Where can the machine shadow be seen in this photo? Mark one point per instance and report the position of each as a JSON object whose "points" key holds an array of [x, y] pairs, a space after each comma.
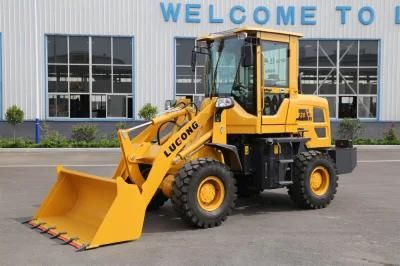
{"points": [[167, 220], [266, 202]]}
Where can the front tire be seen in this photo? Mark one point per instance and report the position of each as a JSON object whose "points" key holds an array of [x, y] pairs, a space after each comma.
{"points": [[159, 198], [204, 193], [315, 181]]}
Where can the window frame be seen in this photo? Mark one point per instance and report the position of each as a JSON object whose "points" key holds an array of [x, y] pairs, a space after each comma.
{"points": [[287, 44], [175, 66], [358, 67], [131, 94], [2, 118]]}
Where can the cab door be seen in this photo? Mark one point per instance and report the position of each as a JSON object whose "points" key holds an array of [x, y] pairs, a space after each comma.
{"points": [[274, 82]]}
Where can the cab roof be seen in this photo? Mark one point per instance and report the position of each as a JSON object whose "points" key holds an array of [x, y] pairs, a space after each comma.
{"points": [[217, 35]]}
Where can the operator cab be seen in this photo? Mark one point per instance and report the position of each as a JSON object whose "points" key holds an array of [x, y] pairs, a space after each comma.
{"points": [[231, 66], [258, 68]]}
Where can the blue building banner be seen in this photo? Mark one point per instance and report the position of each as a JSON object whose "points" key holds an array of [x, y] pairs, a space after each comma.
{"points": [[264, 15]]}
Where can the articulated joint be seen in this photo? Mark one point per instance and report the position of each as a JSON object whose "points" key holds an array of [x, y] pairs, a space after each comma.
{"points": [[166, 185]]}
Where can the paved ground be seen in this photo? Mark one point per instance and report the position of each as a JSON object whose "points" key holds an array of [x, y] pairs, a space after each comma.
{"points": [[360, 227]]}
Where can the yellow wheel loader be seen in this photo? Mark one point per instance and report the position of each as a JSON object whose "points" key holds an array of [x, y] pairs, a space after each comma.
{"points": [[253, 131]]}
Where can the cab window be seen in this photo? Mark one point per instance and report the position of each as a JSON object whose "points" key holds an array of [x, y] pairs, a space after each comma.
{"points": [[272, 102], [318, 115], [276, 64]]}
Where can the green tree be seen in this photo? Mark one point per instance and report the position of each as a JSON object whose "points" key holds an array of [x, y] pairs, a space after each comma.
{"points": [[389, 135], [14, 116], [350, 129], [84, 133], [148, 111]]}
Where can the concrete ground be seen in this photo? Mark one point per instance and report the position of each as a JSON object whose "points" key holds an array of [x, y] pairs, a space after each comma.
{"points": [[360, 227]]}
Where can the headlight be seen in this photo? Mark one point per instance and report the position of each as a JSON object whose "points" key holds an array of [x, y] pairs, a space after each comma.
{"points": [[224, 103]]}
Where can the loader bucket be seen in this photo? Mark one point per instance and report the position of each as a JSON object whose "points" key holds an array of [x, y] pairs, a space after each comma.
{"points": [[87, 211]]}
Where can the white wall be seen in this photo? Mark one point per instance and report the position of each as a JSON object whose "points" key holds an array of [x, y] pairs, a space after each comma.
{"points": [[24, 44]]}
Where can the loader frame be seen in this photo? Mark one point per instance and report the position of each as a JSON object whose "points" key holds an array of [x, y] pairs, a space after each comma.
{"points": [[258, 150]]}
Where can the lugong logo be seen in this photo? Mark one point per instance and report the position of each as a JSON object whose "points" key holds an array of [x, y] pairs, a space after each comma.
{"points": [[180, 139]]}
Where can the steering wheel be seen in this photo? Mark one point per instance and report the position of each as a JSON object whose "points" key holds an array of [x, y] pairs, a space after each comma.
{"points": [[240, 90]]}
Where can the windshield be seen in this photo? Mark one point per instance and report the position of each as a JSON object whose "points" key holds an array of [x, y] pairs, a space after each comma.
{"points": [[223, 59], [226, 74]]}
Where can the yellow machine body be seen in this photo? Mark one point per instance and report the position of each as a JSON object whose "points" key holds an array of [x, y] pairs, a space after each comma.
{"points": [[287, 120], [88, 211]]}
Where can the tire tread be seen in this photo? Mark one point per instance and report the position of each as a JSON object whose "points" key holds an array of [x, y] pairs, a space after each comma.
{"points": [[180, 198], [298, 192]]}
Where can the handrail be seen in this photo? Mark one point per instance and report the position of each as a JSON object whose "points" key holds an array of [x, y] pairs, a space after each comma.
{"points": [[176, 109], [171, 110], [138, 126]]}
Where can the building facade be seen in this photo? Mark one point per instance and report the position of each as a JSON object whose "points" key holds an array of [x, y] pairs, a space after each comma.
{"points": [[101, 61]]}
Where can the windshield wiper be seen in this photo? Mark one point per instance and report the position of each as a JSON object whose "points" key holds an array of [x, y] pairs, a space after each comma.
{"points": [[220, 49], [237, 72]]}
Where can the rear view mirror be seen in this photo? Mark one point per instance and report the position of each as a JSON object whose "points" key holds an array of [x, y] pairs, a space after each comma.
{"points": [[247, 55], [169, 104], [300, 83], [193, 60]]}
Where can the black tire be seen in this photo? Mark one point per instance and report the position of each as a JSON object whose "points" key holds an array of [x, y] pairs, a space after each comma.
{"points": [[159, 198], [300, 192], [185, 187], [157, 201]]}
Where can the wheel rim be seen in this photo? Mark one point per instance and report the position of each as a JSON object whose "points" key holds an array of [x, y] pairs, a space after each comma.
{"points": [[319, 181], [210, 193]]}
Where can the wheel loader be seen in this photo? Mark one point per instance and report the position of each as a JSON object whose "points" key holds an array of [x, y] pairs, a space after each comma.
{"points": [[253, 131]]}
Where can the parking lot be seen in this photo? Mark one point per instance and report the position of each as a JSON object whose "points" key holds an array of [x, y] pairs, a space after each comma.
{"points": [[361, 226]]}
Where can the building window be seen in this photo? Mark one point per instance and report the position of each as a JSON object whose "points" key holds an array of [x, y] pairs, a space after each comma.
{"points": [[89, 77], [187, 83], [345, 72]]}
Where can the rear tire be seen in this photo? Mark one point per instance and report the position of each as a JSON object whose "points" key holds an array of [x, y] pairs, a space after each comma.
{"points": [[315, 181], [191, 194]]}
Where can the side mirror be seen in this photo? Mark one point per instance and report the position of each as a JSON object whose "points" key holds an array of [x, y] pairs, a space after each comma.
{"points": [[193, 60], [300, 85], [247, 55], [169, 104]]}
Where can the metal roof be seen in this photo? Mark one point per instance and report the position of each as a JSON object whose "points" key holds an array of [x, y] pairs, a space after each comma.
{"points": [[247, 29]]}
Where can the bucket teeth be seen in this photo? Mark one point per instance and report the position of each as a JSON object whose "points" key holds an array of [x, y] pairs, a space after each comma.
{"points": [[58, 234], [37, 225], [70, 240], [27, 221], [82, 248], [48, 229]]}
